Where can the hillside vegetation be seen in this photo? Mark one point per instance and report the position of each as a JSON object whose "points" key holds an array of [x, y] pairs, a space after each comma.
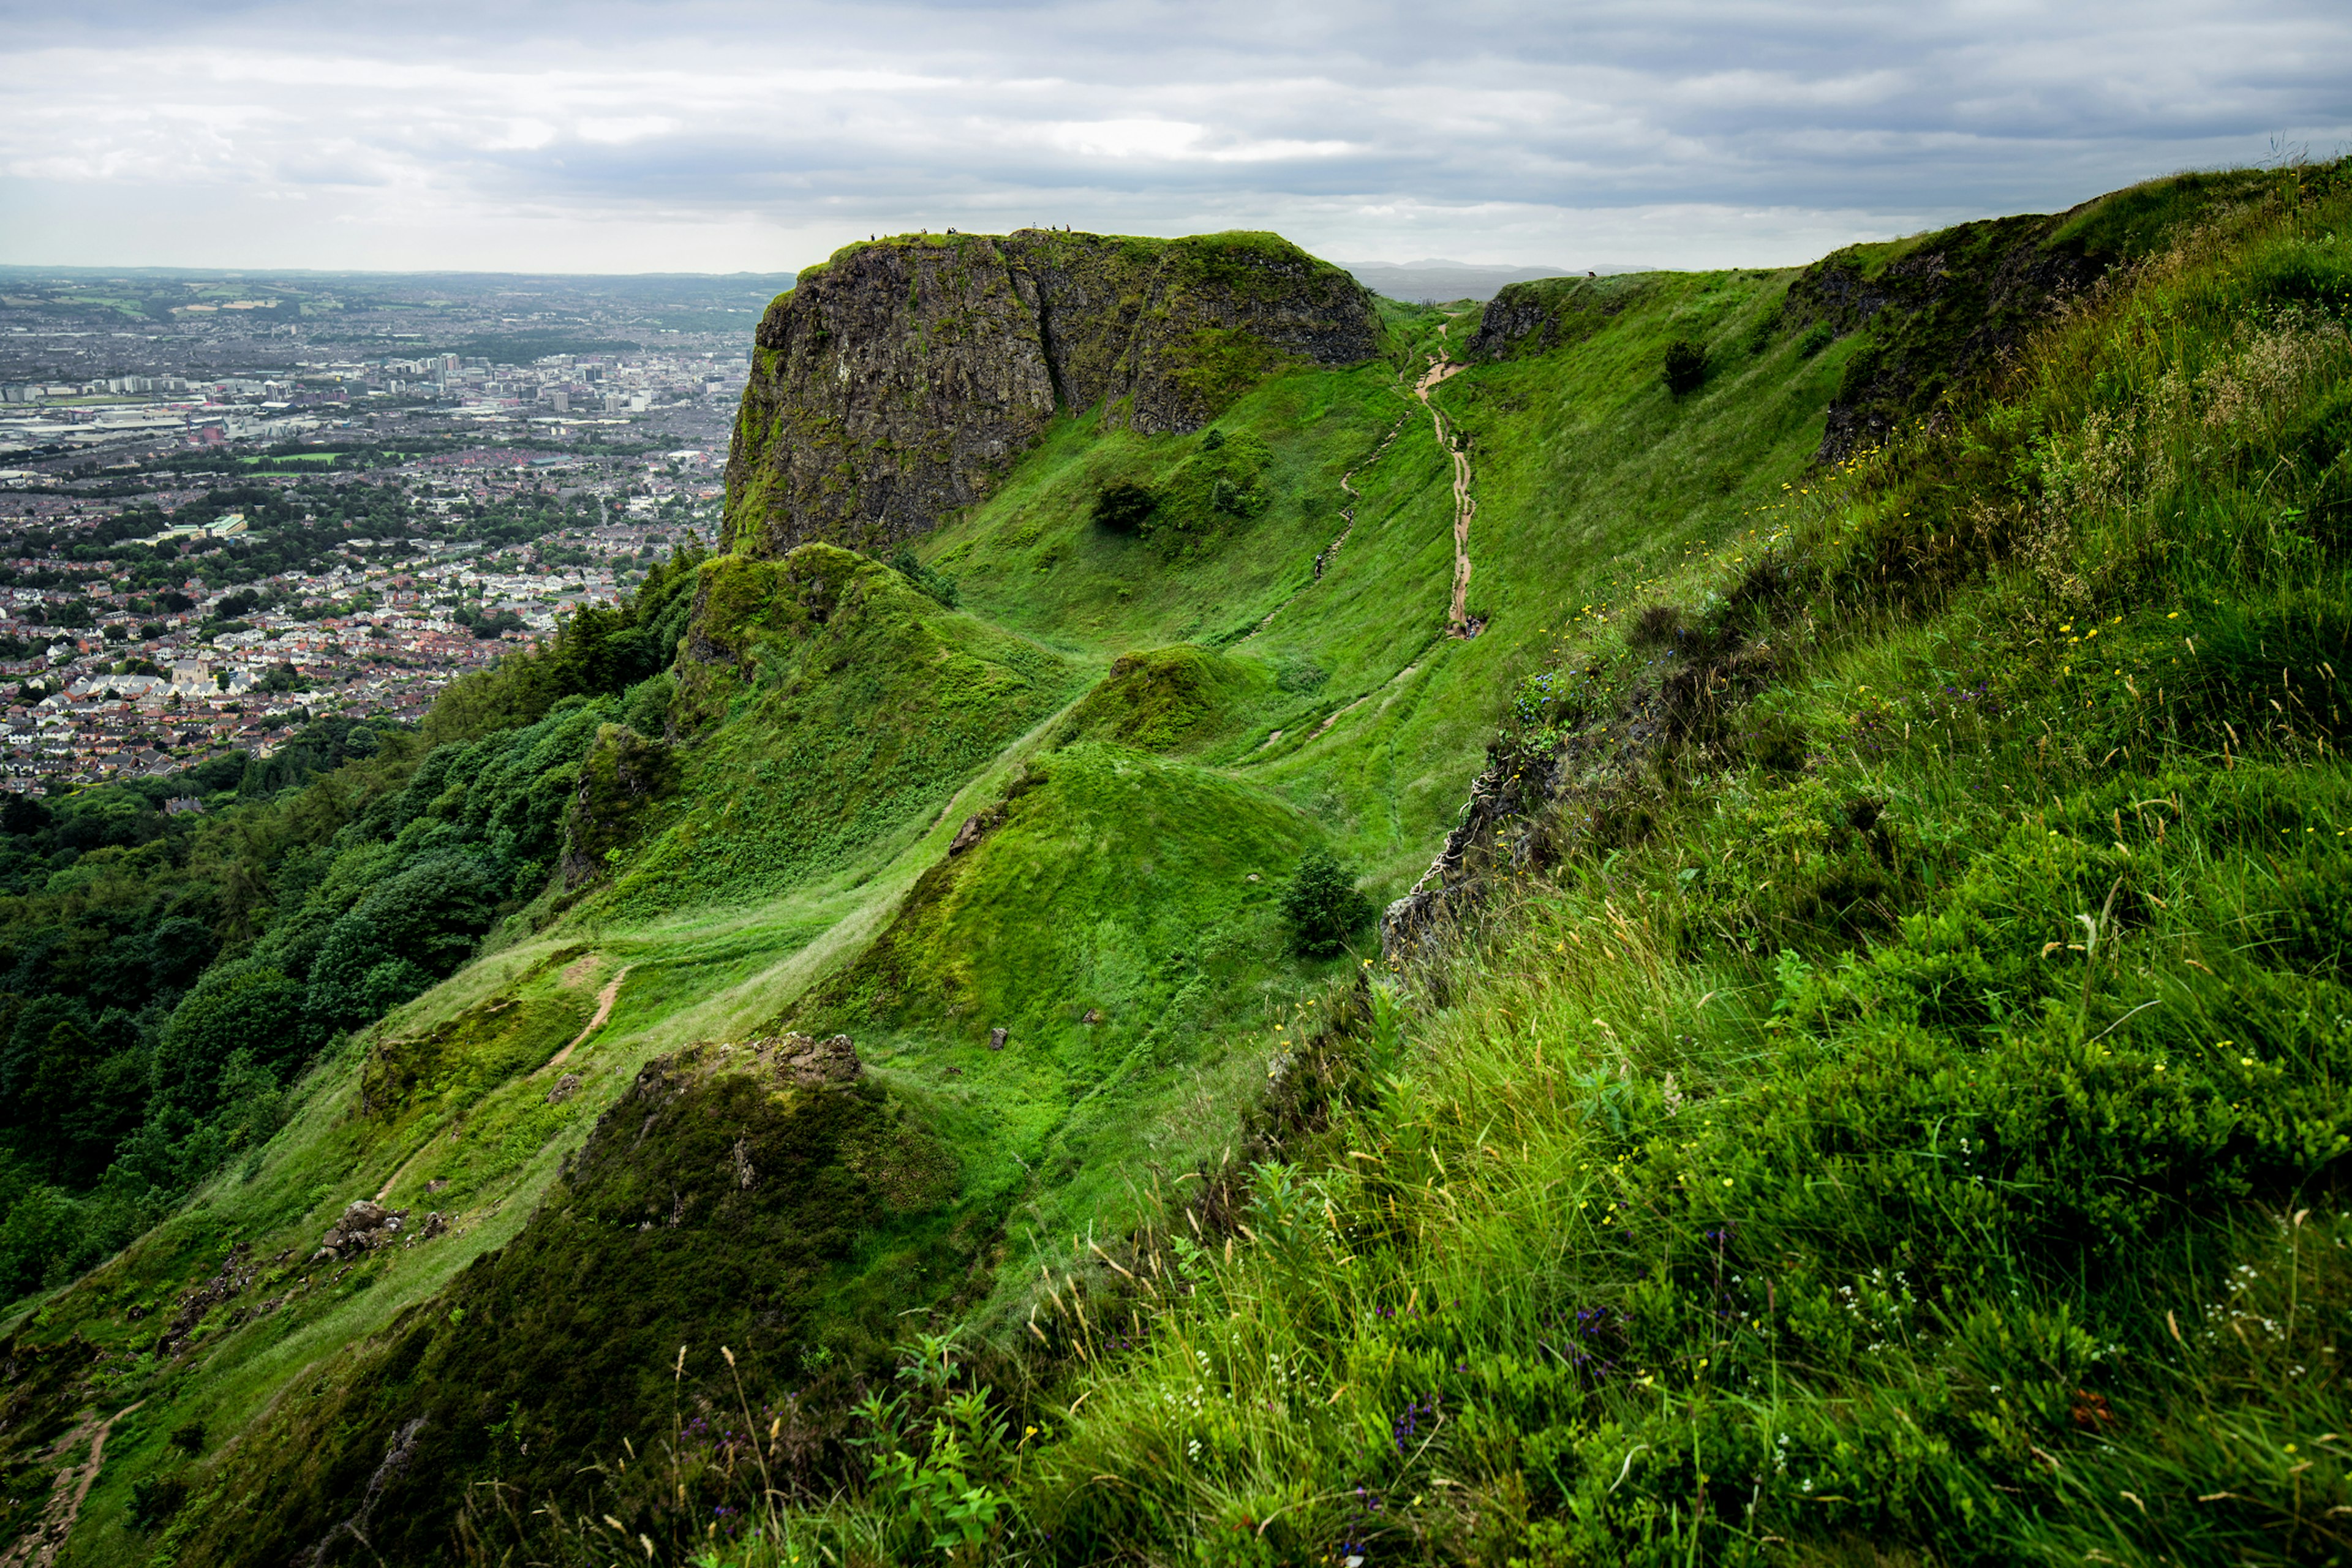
{"points": [[1853, 1067]]}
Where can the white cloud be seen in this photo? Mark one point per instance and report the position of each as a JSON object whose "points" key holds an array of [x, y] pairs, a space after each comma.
{"points": [[720, 134], [1123, 137]]}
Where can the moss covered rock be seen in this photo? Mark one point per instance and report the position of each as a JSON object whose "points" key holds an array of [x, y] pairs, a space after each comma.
{"points": [[901, 379], [623, 773], [731, 1196], [1165, 699]]}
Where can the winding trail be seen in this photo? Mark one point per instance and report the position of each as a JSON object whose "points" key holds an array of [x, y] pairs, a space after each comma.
{"points": [[1458, 620], [1330, 551], [1459, 623], [38, 1547], [604, 1000]]}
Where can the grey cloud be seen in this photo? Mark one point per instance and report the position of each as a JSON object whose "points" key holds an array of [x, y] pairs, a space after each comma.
{"points": [[1578, 131]]}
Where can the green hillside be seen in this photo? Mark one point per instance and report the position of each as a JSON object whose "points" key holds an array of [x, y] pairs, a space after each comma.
{"points": [[1853, 1069]]}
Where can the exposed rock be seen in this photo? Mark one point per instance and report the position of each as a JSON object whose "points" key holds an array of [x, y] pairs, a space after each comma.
{"points": [[975, 827], [396, 1458], [365, 1226], [435, 1223], [1092, 1015], [236, 1271], [565, 1088], [897, 381], [813, 1062], [1549, 313], [1950, 309], [996, 1040]]}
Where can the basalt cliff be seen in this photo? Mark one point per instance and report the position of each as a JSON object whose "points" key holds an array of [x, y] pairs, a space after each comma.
{"points": [[898, 381]]}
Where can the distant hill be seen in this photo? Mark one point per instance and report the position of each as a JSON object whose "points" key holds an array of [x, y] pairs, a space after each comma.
{"points": [[1435, 279]]}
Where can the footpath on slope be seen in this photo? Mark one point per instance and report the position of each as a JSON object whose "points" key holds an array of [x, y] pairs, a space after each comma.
{"points": [[1330, 551], [604, 1000], [1459, 623], [38, 1547]]}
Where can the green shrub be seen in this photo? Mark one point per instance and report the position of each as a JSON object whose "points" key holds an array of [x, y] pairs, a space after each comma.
{"points": [[236, 1006], [154, 1499], [931, 581], [1122, 508], [1322, 906], [1686, 366], [405, 934]]}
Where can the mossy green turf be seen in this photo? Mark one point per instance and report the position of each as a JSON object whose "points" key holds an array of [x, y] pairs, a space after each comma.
{"points": [[844, 706], [804, 1219], [839, 726], [1591, 479], [1909, 1126], [1121, 915]]}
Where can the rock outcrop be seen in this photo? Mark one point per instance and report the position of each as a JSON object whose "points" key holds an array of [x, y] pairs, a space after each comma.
{"points": [[365, 1226], [1950, 310], [897, 381], [814, 1063], [623, 773], [1534, 318]]}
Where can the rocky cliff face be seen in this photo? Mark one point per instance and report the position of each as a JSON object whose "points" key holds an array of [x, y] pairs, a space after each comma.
{"points": [[1950, 309], [895, 381], [1534, 318]]}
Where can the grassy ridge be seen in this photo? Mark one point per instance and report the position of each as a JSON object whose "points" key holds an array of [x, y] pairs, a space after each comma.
{"points": [[1795, 777], [841, 704], [1912, 1115]]}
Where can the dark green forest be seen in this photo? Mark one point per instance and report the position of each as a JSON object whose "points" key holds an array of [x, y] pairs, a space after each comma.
{"points": [[165, 978]]}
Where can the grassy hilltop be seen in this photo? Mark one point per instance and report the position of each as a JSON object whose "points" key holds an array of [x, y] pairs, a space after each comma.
{"points": [[1864, 1080]]}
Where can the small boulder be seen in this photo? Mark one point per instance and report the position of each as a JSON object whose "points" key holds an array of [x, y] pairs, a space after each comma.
{"points": [[996, 1040], [435, 1223], [1092, 1015], [365, 1225], [565, 1088], [803, 1060]]}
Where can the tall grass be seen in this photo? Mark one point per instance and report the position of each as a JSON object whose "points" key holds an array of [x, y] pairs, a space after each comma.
{"points": [[1916, 1137]]}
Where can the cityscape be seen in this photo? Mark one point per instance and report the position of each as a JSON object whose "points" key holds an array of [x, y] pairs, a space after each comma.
{"points": [[232, 506]]}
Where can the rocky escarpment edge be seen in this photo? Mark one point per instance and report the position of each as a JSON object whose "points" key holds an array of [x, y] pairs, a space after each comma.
{"points": [[896, 384]]}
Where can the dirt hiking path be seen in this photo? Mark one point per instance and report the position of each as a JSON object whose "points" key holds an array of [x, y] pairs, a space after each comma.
{"points": [[1458, 621], [1347, 525], [38, 1547], [604, 1000]]}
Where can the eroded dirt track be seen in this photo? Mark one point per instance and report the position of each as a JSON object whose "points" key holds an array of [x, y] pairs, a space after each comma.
{"points": [[38, 1547], [1458, 621]]}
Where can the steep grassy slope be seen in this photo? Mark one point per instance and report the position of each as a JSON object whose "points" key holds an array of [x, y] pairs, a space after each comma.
{"points": [[838, 707], [1878, 1089], [1591, 478], [727, 1200], [849, 806]]}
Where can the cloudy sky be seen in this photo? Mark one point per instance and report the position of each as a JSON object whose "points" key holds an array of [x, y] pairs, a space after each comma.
{"points": [[721, 135]]}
